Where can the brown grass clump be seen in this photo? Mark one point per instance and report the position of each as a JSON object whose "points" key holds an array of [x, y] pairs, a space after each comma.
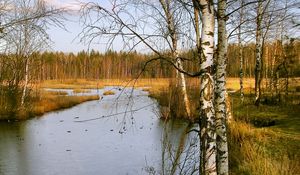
{"points": [[77, 91], [50, 103], [57, 92], [109, 92], [47, 101]]}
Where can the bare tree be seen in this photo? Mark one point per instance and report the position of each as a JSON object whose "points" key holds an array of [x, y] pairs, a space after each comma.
{"points": [[173, 33]]}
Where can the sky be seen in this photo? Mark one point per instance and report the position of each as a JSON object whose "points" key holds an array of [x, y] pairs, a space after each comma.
{"points": [[68, 40]]}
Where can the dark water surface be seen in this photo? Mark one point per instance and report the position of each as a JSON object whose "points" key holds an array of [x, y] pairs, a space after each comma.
{"points": [[55, 144]]}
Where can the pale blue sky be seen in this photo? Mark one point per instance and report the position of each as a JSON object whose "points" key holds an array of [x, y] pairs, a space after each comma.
{"points": [[68, 41]]}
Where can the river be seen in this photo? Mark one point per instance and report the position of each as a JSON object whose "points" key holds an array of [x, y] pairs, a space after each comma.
{"points": [[116, 135]]}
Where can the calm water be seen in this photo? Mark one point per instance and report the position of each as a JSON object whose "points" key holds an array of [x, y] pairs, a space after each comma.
{"points": [[57, 144]]}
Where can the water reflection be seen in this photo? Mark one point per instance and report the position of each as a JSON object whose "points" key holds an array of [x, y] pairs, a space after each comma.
{"points": [[180, 149], [135, 142]]}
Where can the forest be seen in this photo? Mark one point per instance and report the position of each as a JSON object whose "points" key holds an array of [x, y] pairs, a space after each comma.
{"points": [[226, 72]]}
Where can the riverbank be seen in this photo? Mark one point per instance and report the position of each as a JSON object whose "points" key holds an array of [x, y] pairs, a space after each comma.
{"points": [[262, 140]]}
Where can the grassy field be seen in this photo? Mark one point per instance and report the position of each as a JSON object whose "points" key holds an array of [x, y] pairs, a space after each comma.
{"points": [[264, 139]]}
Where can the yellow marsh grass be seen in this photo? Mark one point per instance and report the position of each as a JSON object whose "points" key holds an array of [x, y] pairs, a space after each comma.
{"points": [[157, 83], [152, 84], [109, 92], [92, 84], [70, 84], [57, 92]]}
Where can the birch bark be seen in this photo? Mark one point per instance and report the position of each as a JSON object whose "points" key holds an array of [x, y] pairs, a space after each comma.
{"points": [[207, 112], [258, 50], [220, 92]]}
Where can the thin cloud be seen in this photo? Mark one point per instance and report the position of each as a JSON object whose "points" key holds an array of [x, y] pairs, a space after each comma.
{"points": [[72, 5]]}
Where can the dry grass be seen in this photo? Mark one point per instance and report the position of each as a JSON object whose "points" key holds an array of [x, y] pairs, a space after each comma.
{"points": [[261, 151], [109, 92], [50, 103], [71, 84]]}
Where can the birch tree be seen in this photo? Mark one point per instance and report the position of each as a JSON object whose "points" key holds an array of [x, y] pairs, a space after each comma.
{"points": [[207, 112], [173, 33]]}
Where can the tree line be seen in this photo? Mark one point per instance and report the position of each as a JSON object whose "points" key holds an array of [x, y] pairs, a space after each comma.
{"points": [[112, 64]]}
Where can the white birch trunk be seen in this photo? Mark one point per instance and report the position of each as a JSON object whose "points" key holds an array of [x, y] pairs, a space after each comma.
{"points": [[26, 57], [241, 58], [220, 92], [25, 81], [207, 111], [183, 90], [258, 50]]}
